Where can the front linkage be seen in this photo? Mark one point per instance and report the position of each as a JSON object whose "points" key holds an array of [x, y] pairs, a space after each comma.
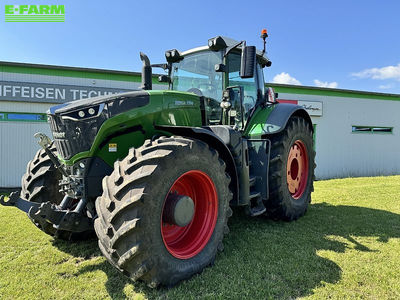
{"points": [[59, 216]]}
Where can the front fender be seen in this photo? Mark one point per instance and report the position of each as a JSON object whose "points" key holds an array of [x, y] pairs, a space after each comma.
{"points": [[214, 142]]}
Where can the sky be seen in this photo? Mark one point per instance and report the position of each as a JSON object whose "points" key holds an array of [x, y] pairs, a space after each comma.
{"points": [[337, 44]]}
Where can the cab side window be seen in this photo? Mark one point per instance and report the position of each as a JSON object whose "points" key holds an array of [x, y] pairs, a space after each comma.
{"points": [[249, 84]]}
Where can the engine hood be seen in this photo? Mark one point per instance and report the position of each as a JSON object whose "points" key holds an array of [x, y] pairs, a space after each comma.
{"points": [[132, 97], [75, 124]]}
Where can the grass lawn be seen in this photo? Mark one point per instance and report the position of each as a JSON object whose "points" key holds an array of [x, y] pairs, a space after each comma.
{"points": [[346, 246]]}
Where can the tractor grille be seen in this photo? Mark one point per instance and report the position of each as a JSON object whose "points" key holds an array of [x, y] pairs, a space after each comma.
{"points": [[74, 132], [72, 137]]}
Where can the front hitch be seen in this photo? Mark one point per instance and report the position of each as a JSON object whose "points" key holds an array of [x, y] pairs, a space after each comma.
{"points": [[47, 212], [15, 200]]}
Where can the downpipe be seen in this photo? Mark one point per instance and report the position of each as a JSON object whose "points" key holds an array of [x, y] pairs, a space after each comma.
{"points": [[147, 83]]}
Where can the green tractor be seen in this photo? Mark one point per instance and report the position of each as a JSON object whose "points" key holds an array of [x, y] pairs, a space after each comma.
{"points": [[155, 172]]}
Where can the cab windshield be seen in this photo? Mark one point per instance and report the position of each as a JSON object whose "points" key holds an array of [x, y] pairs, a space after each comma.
{"points": [[196, 74]]}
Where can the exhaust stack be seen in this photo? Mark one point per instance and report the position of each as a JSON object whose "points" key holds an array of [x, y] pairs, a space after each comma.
{"points": [[146, 72]]}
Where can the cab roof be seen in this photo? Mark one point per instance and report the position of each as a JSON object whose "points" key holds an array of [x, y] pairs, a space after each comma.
{"points": [[228, 42]]}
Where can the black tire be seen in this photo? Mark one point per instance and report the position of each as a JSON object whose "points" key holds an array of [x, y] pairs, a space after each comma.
{"points": [[130, 209], [40, 181], [282, 203], [40, 184]]}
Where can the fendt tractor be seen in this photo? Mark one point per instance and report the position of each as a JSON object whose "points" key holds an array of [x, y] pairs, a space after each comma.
{"points": [[155, 172]]}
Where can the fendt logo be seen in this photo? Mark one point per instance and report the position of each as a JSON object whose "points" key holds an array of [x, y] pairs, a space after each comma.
{"points": [[34, 13]]}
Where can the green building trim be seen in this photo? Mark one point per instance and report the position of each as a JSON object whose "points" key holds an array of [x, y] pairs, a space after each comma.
{"points": [[76, 72]]}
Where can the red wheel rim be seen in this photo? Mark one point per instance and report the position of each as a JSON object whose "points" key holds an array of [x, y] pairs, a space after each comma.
{"points": [[297, 169], [186, 242]]}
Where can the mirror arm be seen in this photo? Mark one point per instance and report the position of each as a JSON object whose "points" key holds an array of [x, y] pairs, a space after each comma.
{"points": [[229, 49], [162, 66]]}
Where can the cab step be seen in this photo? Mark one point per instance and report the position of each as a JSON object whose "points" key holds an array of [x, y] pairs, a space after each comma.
{"points": [[258, 210], [252, 181], [254, 195]]}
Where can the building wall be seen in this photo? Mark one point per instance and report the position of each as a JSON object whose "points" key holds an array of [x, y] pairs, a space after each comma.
{"points": [[35, 78], [18, 145], [342, 153]]}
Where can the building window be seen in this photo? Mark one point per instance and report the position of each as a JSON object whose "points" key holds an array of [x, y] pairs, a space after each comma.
{"points": [[371, 129], [22, 117]]}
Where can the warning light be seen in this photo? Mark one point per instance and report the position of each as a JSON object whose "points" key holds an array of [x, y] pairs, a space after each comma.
{"points": [[264, 33]]}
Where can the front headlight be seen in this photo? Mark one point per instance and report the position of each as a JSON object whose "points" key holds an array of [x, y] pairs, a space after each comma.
{"points": [[84, 113]]}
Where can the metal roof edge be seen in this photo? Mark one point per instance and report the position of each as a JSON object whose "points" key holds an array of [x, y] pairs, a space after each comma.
{"points": [[57, 67]]}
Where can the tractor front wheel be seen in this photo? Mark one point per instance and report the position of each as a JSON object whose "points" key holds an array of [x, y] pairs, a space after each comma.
{"points": [[40, 184], [164, 210]]}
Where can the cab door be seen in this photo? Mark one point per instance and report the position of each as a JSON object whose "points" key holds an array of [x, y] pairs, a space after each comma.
{"points": [[252, 88]]}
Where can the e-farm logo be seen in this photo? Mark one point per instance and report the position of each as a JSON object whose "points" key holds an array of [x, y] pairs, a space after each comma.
{"points": [[34, 13]]}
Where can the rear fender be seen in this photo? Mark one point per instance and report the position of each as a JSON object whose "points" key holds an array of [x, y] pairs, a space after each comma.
{"points": [[277, 120], [273, 119]]}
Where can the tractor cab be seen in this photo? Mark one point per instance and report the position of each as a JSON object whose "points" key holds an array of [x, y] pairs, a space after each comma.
{"points": [[227, 73]]}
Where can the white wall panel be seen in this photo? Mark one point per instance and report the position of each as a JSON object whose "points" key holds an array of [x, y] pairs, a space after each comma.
{"points": [[341, 153], [17, 144]]}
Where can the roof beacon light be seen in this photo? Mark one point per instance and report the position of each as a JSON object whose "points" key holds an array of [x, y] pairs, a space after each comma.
{"points": [[264, 35]]}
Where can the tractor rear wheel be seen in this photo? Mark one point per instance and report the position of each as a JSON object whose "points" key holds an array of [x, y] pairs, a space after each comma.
{"points": [[40, 184], [164, 210], [291, 171]]}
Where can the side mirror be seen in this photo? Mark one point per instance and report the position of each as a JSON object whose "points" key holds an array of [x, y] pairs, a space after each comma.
{"points": [[248, 62]]}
